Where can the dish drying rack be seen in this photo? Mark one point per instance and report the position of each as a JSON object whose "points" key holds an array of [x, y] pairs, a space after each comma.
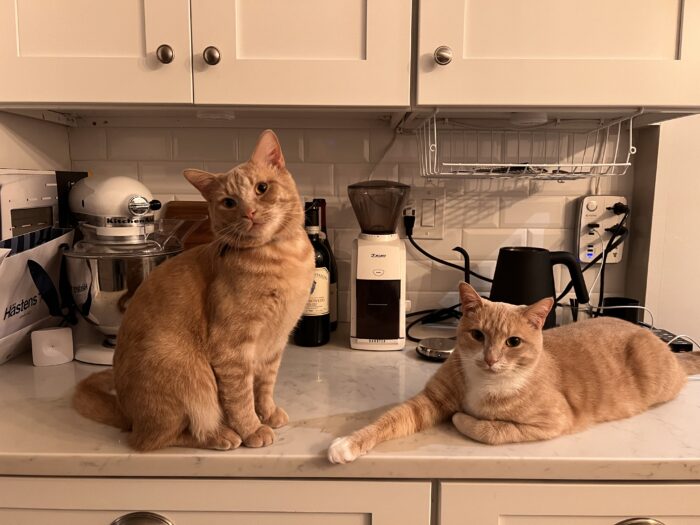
{"points": [[449, 148]]}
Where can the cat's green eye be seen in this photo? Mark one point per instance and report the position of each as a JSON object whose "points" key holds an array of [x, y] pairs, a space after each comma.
{"points": [[477, 334], [228, 202], [261, 188], [513, 342]]}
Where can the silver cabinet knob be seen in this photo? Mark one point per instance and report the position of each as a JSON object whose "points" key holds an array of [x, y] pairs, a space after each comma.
{"points": [[165, 54], [142, 518], [211, 55], [443, 55], [640, 521]]}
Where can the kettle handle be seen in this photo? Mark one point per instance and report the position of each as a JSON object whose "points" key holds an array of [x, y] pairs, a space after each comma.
{"points": [[568, 260]]}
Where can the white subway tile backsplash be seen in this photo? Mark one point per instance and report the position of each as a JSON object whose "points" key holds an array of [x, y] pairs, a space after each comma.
{"points": [[553, 240], [346, 174], [536, 212], [347, 145], [291, 140], [220, 166], [214, 144], [87, 143], [139, 144], [480, 215], [404, 148], [313, 180], [438, 247], [554, 187], [339, 213], [166, 177], [107, 168], [484, 244], [342, 243], [418, 275], [443, 278], [471, 211]]}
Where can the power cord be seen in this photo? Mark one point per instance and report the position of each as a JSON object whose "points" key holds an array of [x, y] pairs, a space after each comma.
{"points": [[439, 314], [409, 221], [618, 208], [619, 236]]}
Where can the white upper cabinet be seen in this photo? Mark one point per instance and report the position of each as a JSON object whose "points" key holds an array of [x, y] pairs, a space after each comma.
{"points": [[89, 51], [310, 52], [559, 53]]}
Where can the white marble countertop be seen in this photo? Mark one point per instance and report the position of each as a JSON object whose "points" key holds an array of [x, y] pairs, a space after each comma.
{"points": [[331, 391]]}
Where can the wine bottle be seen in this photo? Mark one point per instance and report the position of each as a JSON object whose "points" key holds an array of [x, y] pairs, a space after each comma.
{"points": [[334, 266], [314, 327]]}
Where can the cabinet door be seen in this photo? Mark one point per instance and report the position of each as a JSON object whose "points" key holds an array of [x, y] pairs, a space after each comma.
{"points": [[311, 53], [87, 51], [560, 53], [71, 501], [568, 503]]}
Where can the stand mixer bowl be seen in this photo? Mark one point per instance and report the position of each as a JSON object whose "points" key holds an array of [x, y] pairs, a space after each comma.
{"points": [[378, 204], [103, 276]]}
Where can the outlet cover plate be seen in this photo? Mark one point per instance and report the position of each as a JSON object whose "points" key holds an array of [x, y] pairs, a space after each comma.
{"points": [[593, 209], [429, 205]]}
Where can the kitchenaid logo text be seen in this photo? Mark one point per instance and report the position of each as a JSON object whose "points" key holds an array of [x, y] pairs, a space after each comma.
{"points": [[20, 306], [377, 254], [126, 220]]}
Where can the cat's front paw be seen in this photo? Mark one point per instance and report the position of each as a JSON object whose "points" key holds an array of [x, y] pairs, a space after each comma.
{"points": [[343, 450], [262, 437], [278, 418]]}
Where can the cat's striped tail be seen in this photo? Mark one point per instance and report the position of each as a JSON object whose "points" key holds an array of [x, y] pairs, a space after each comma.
{"points": [[690, 361], [93, 400]]}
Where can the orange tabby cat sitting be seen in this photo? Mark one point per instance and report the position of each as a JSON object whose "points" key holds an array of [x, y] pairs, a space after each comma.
{"points": [[508, 381], [200, 342]]}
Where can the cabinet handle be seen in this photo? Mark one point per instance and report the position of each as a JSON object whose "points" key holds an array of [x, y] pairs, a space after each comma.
{"points": [[211, 55], [443, 55], [165, 54], [640, 521], [142, 518]]}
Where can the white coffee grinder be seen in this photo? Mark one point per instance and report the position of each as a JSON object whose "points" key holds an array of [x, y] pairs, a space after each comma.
{"points": [[378, 275]]}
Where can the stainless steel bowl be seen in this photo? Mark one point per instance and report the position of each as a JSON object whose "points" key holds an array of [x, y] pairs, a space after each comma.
{"points": [[103, 284], [104, 275]]}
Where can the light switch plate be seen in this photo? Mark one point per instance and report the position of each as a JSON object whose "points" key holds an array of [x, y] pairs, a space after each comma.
{"points": [[429, 205], [594, 209]]}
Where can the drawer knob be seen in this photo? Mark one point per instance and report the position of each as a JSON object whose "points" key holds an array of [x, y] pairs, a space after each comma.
{"points": [[211, 55], [165, 54], [640, 521], [142, 518], [443, 55]]}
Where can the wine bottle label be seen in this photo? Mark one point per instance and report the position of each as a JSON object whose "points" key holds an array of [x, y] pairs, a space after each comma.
{"points": [[334, 302], [318, 303]]}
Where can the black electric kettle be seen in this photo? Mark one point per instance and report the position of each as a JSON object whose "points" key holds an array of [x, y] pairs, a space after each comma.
{"points": [[524, 276]]}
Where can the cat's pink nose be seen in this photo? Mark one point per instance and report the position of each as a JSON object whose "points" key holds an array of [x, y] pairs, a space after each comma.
{"points": [[490, 360], [250, 214]]}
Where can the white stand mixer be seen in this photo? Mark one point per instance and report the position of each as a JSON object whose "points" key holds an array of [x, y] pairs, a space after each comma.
{"points": [[122, 242]]}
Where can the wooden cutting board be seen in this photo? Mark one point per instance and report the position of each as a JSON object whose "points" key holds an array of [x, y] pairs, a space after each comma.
{"points": [[191, 210]]}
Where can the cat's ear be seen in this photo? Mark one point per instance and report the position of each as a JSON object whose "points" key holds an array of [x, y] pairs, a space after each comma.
{"points": [[204, 181], [268, 151], [469, 298], [536, 314]]}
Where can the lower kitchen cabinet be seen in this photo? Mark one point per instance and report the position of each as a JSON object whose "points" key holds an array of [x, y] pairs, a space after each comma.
{"points": [[569, 503], [90, 501]]}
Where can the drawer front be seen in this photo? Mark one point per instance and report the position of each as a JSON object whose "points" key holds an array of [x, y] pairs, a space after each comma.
{"points": [[568, 503], [98, 501]]}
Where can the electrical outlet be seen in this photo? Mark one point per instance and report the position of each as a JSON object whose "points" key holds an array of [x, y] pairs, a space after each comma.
{"points": [[594, 210], [429, 205]]}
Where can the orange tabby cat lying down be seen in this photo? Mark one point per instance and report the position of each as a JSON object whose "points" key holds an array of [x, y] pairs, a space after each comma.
{"points": [[508, 381], [201, 340]]}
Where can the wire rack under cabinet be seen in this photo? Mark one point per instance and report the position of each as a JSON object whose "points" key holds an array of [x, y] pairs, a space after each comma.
{"points": [[449, 148]]}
